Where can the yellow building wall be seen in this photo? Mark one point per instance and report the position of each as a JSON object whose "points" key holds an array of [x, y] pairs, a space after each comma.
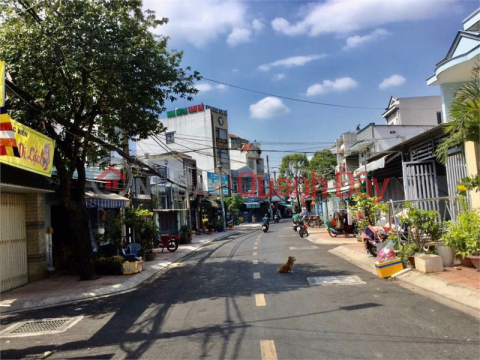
{"points": [[472, 156]]}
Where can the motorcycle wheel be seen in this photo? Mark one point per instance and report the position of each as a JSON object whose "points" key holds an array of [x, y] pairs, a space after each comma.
{"points": [[172, 245], [332, 234], [372, 250], [301, 233]]}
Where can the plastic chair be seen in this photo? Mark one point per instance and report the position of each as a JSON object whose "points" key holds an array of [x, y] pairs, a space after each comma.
{"points": [[133, 248]]}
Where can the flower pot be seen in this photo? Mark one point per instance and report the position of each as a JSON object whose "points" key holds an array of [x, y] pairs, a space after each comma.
{"points": [[466, 261], [412, 261], [475, 260], [150, 256], [447, 254]]}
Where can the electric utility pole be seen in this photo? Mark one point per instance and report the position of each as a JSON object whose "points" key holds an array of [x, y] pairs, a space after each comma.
{"points": [[187, 194], [220, 189], [269, 197]]}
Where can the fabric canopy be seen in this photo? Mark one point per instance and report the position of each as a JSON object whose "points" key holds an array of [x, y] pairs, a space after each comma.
{"points": [[107, 201], [374, 165], [208, 202], [253, 205], [286, 205]]}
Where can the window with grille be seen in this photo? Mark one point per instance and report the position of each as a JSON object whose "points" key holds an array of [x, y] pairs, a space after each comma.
{"points": [[169, 137], [222, 156]]}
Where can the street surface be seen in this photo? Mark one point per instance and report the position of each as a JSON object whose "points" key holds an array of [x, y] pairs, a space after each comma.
{"points": [[220, 303]]}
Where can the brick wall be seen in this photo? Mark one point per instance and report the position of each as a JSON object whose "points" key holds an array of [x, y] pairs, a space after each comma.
{"points": [[35, 224]]}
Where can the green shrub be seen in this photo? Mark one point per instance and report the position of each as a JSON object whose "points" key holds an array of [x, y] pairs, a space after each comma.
{"points": [[464, 234], [109, 266], [240, 219]]}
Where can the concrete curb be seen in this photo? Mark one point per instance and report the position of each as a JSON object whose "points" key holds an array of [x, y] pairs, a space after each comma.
{"points": [[457, 293], [140, 279]]}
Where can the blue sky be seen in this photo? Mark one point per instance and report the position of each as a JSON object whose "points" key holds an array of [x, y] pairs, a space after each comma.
{"points": [[349, 52]]}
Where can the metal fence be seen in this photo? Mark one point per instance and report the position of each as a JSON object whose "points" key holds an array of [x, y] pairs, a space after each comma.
{"points": [[447, 209]]}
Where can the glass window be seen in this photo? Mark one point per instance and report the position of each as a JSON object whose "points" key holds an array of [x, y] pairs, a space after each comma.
{"points": [[221, 133], [439, 117], [169, 137], [222, 156], [251, 163]]}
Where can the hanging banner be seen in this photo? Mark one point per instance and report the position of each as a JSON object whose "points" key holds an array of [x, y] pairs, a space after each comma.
{"points": [[213, 181], [35, 150]]}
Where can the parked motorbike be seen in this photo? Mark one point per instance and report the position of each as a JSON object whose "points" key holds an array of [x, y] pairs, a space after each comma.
{"points": [[265, 227], [303, 230], [334, 232], [371, 239], [276, 218]]}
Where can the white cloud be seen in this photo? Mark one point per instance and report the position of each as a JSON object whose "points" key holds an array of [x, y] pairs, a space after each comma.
{"points": [[207, 87], [278, 77], [238, 36], [257, 25], [338, 85], [198, 23], [346, 16], [203, 87], [268, 108], [394, 80], [356, 41], [291, 61]]}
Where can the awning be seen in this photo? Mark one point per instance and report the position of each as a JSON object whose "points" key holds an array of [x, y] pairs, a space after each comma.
{"points": [[253, 205], [374, 165], [286, 205], [208, 202], [106, 201]]}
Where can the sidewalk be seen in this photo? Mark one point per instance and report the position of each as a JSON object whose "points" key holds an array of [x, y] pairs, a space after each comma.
{"points": [[57, 290], [320, 236], [460, 286]]}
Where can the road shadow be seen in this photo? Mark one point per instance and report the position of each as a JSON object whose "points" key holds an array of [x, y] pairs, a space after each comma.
{"points": [[134, 321]]}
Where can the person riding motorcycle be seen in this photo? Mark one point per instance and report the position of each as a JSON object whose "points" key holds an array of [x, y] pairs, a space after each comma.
{"points": [[266, 220]]}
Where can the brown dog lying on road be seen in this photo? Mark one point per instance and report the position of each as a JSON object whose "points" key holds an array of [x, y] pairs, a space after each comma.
{"points": [[288, 266]]}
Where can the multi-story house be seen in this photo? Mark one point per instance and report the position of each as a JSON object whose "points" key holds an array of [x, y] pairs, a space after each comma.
{"points": [[458, 67], [420, 110], [201, 131]]}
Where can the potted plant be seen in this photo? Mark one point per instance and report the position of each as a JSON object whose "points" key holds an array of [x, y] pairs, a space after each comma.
{"points": [[219, 226], [185, 234], [210, 227], [464, 233], [146, 230]]}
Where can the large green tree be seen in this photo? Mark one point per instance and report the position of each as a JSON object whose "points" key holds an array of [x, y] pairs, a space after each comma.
{"points": [[80, 71], [293, 167], [323, 163]]}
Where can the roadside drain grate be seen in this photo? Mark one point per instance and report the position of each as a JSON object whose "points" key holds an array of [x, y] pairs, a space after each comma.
{"points": [[40, 327], [335, 280]]}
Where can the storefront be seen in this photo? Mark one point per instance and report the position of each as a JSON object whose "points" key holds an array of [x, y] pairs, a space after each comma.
{"points": [[26, 158]]}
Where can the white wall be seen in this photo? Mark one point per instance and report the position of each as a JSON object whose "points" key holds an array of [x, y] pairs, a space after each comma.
{"points": [[419, 110], [385, 140], [448, 92], [197, 127]]}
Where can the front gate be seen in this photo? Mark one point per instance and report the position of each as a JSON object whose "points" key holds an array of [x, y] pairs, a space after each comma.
{"points": [[13, 242], [420, 182]]}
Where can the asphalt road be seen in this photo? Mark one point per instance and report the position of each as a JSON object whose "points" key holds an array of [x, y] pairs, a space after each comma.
{"points": [[206, 307]]}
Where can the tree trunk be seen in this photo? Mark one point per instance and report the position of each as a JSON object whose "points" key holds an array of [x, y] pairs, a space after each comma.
{"points": [[83, 255]]}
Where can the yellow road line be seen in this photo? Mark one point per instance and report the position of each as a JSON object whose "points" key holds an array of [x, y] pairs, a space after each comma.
{"points": [[268, 350], [256, 275], [255, 248], [254, 253], [255, 262], [260, 300]]}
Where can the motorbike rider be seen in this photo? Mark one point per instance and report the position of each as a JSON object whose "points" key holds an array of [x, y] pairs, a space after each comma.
{"points": [[295, 217], [266, 220]]}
